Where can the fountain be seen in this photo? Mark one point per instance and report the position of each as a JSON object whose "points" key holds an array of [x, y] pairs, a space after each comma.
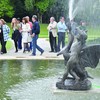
{"points": [[77, 59], [33, 79], [71, 3], [77, 55], [77, 7]]}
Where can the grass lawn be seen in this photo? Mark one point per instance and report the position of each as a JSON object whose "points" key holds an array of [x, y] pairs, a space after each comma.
{"points": [[8, 45], [93, 33], [44, 31]]}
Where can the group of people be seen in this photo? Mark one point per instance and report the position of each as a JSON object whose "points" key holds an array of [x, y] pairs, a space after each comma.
{"points": [[25, 34], [57, 31]]}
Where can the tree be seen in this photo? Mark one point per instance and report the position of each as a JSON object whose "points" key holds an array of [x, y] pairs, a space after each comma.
{"points": [[59, 8], [19, 8], [39, 6], [6, 9]]}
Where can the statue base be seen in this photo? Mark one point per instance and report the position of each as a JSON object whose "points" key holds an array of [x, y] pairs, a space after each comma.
{"points": [[71, 84]]}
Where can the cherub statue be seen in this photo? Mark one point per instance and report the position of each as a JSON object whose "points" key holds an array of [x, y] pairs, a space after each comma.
{"points": [[78, 57]]}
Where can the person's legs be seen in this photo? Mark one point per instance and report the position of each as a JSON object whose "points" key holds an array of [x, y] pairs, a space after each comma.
{"points": [[51, 41], [5, 51], [15, 42], [27, 47], [2, 43], [59, 40], [63, 40], [24, 44], [20, 42], [34, 45], [30, 45], [3, 48], [38, 47], [55, 44]]}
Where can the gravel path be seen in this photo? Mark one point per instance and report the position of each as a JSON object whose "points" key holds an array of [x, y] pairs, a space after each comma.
{"points": [[42, 42]]}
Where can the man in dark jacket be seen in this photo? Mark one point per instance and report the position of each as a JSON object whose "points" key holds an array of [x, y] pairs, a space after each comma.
{"points": [[35, 33]]}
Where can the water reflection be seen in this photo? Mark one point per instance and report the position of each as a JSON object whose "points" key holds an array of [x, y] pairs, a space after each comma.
{"points": [[25, 72], [34, 80], [4, 79], [14, 72]]}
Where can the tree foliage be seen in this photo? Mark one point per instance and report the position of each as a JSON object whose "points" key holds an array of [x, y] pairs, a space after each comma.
{"points": [[19, 8], [6, 9], [40, 5], [43, 5], [59, 8], [84, 9]]}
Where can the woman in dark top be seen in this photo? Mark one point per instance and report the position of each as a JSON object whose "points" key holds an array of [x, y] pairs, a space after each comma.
{"points": [[16, 34]]}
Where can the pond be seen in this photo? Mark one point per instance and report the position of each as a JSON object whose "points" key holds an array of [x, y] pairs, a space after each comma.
{"points": [[36, 79]]}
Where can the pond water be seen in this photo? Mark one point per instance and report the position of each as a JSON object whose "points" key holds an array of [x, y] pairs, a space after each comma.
{"points": [[35, 80]]}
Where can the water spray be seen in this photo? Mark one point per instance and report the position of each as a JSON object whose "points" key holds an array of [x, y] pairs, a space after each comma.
{"points": [[71, 4]]}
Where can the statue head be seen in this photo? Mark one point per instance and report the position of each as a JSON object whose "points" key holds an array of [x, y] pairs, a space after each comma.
{"points": [[81, 35]]}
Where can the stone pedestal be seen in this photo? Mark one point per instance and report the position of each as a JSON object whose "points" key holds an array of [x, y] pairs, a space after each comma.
{"points": [[71, 84]]}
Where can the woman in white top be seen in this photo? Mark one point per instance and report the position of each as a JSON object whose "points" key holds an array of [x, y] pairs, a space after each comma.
{"points": [[25, 34]]}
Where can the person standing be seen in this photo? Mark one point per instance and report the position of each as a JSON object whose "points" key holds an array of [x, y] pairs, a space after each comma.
{"points": [[16, 34], [25, 34], [35, 33], [31, 26], [83, 26], [52, 29], [20, 37], [30, 23], [61, 26], [4, 35]]}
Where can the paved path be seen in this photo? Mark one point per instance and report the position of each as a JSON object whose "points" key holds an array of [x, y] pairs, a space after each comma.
{"points": [[42, 42]]}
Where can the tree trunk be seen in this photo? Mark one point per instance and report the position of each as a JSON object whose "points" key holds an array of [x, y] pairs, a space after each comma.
{"points": [[40, 17]]}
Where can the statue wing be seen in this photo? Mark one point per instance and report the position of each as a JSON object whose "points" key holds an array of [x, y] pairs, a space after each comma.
{"points": [[89, 57]]}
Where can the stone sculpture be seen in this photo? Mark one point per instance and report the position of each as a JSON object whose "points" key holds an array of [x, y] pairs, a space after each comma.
{"points": [[76, 60]]}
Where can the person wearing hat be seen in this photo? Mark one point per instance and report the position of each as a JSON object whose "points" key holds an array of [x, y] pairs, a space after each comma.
{"points": [[35, 33]]}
